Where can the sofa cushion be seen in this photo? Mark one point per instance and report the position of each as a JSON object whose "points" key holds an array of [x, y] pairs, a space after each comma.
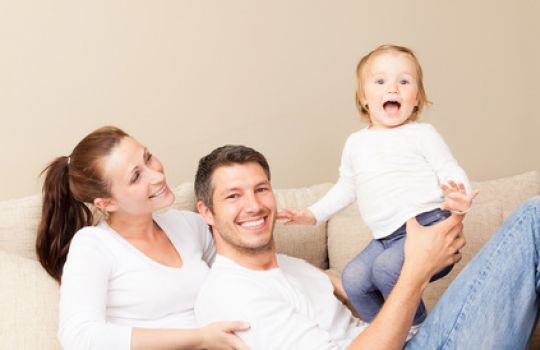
{"points": [[18, 223], [185, 197], [29, 305], [306, 242]]}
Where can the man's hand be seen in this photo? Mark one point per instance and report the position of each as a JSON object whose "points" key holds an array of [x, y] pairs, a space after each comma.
{"points": [[456, 198], [429, 249], [298, 217]]}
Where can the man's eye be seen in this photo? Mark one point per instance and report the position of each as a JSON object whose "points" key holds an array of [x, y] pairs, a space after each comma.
{"points": [[232, 196], [262, 189]]}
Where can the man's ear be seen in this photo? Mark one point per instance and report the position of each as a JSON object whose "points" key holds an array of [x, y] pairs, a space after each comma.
{"points": [[105, 204], [205, 212]]}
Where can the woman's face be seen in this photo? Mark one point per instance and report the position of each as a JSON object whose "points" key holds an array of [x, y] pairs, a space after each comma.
{"points": [[137, 181]]}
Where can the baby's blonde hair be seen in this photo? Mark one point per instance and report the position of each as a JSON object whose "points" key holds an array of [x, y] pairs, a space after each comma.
{"points": [[361, 66]]}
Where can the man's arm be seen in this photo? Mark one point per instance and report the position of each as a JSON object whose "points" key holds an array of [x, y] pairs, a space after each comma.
{"points": [[427, 250]]}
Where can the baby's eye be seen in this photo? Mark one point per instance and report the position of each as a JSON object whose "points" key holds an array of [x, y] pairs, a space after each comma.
{"points": [[379, 81], [148, 156], [404, 82]]}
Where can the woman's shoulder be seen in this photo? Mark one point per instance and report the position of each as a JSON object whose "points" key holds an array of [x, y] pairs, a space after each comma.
{"points": [[182, 222], [90, 233], [91, 242], [178, 216]]}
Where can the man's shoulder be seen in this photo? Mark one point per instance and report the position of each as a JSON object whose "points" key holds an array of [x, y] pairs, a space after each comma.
{"points": [[229, 291], [227, 277], [287, 263]]}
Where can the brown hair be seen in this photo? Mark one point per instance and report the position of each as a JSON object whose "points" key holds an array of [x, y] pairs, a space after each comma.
{"points": [[360, 72], [223, 156], [69, 183]]}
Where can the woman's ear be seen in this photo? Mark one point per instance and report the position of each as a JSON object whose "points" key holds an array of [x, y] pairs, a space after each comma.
{"points": [[105, 204]]}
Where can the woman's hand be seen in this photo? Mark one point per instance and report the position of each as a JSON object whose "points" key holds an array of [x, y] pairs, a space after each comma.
{"points": [[221, 336], [298, 217]]}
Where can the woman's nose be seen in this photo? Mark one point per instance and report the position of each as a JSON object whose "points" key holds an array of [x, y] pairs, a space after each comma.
{"points": [[156, 175]]}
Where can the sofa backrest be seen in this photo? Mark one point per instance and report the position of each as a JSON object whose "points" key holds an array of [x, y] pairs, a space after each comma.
{"points": [[329, 245], [30, 299]]}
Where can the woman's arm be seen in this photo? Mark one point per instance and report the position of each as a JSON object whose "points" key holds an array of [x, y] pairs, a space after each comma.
{"points": [[216, 336], [83, 300]]}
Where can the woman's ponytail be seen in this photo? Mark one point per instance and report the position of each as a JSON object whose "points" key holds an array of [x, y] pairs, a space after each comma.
{"points": [[61, 216], [69, 183]]}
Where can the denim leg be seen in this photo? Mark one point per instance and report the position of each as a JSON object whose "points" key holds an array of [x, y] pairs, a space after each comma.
{"points": [[357, 282], [493, 303], [386, 270]]}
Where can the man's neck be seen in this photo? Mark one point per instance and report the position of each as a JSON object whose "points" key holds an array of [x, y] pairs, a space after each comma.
{"points": [[252, 259]]}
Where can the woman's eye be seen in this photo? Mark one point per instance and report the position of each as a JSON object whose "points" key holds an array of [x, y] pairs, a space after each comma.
{"points": [[135, 177]]}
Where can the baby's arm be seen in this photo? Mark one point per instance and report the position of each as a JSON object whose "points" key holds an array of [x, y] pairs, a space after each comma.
{"points": [[338, 197], [298, 217], [456, 198]]}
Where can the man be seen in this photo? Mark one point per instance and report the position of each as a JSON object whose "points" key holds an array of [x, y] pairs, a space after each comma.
{"points": [[290, 304]]}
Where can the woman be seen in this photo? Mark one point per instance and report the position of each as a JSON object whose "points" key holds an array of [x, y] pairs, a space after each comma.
{"points": [[131, 281]]}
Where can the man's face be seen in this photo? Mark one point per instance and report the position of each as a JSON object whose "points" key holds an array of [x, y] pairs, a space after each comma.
{"points": [[244, 208]]}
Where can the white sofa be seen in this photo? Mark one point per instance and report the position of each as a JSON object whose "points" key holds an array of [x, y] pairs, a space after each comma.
{"points": [[29, 297]]}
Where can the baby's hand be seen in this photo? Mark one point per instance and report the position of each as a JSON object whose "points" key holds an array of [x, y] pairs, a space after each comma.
{"points": [[456, 199], [298, 217]]}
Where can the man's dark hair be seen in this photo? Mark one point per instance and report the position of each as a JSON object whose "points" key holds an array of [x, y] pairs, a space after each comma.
{"points": [[223, 156]]}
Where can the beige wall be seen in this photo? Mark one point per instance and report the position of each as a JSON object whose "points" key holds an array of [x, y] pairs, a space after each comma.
{"points": [[186, 76]]}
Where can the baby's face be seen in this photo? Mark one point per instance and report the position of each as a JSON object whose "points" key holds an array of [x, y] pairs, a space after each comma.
{"points": [[390, 89]]}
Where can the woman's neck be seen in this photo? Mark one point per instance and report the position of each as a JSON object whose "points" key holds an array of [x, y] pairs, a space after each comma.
{"points": [[133, 227]]}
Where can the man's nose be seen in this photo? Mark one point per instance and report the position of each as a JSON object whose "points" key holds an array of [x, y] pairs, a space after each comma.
{"points": [[252, 203]]}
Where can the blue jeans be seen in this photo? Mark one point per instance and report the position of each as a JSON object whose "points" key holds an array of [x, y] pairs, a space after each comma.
{"points": [[493, 303], [369, 277]]}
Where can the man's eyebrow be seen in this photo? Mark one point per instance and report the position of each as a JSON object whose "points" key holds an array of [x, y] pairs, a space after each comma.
{"points": [[239, 188]]}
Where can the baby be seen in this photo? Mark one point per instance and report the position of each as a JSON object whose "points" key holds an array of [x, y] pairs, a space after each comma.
{"points": [[396, 169]]}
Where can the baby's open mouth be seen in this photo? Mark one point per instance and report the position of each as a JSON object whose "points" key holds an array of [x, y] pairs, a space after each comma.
{"points": [[391, 107]]}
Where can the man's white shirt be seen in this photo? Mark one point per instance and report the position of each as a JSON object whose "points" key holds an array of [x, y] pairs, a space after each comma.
{"points": [[288, 307]]}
